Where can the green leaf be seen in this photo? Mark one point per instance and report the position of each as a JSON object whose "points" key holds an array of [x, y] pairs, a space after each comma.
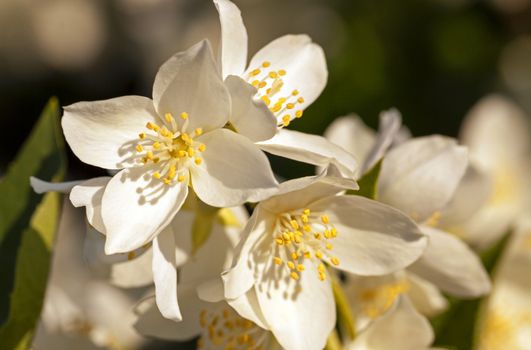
{"points": [[368, 183], [205, 216], [345, 318], [455, 327], [27, 228]]}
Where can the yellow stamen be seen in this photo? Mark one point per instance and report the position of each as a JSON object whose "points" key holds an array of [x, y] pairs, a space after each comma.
{"points": [[201, 147], [286, 120], [156, 175], [298, 114], [198, 131], [184, 115], [277, 260], [139, 148], [291, 265], [325, 219], [294, 224], [294, 275], [334, 261], [266, 64], [281, 72], [142, 135], [168, 117], [181, 178], [198, 161]]}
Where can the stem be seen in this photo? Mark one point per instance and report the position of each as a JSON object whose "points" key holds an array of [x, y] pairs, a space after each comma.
{"points": [[345, 318], [333, 342]]}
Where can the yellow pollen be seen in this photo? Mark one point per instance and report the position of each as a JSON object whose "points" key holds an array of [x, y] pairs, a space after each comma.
{"points": [[300, 99], [156, 175], [184, 115], [318, 254], [300, 267], [181, 178], [182, 153], [328, 246], [306, 211], [295, 92], [279, 240], [307, 255], [190, 152], [278, 260], [255, 72], [198, 160], [149, 155], [139, 148], [325, 219], [286, 236], [282, 72], [298, 114], [304, 218], [142, 135], [298, 239], [156, 145], [307, 228], [333, 231], [334, 261], [317, 235], [266, 100], [168, 117], [294, 275], [294, 256], [291, 265], [327, 234], [273, 75], [262, 84], [266, 64], [167, 181], [150, 125], [294, 224], [290, 106], [198, 131], [201, 147], [286, 120], [321, 268], [322, 276], [255, 83]]}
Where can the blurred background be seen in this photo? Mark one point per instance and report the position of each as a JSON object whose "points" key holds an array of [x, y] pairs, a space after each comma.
{"points": [[430, 59]]}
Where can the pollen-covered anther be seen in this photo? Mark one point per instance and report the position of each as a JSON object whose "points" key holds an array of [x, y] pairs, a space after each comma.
{"points": [[305, 236], [170, 146]]}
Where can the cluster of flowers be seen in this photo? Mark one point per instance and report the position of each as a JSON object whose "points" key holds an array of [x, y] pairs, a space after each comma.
{"points": [[186, 161]]}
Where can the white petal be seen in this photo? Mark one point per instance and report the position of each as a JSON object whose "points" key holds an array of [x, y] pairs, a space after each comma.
{"points": [[390, 122], [420, 176], [135, 208], [402, 328], [233, 46], [425, 296], [312, 149], [248, 307], [373, 238], [190, 82], [89, 194], [303, 61], [105, 133], [353, 135], [135, 273], [496, 130], [233, 171], [41, 186], [151, 323], [451, 265], [212, 258], [165, 275], [301, 314], [473, 191], [249, 115], [239, 278], [301, 192]]}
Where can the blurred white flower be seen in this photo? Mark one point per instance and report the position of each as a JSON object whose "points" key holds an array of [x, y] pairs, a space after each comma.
{"points": [[506, 317], [497, 134], [80, 311], [401, 328], [164, 146], [293, 236]]}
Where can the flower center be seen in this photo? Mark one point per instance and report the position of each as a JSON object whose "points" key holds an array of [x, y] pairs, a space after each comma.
{"points": [[225, 329], [303, 235], [377, 300], [269, 83], [170, 147]]}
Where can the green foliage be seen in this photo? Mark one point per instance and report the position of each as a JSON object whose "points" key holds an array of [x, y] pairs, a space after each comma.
{"points": [[28, 223], [205, 216], [368, 183], [455, 328]]}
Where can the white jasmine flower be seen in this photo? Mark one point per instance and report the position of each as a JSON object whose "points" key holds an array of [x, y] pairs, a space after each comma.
{"points": [[280, 81], [290, 240], [164, 146], [80, 310], [401, 328], [505, 321], [497, 133]]}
